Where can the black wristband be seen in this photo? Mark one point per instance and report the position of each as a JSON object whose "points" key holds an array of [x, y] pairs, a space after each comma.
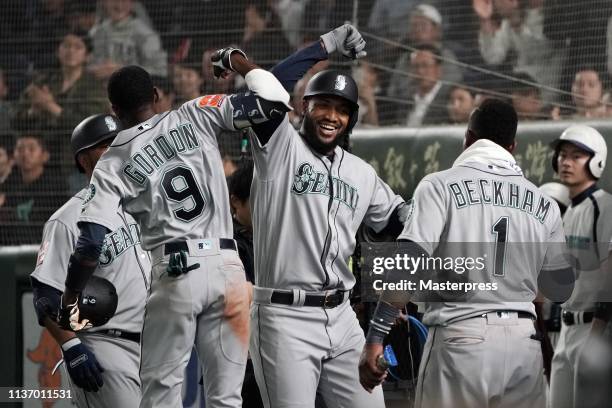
{"points": [[79, 272]]}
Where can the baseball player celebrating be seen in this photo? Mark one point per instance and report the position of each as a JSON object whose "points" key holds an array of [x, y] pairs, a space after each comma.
{"points": [[483, 352], [309, 197], [579, 160], [166, 170], [103, 361]]}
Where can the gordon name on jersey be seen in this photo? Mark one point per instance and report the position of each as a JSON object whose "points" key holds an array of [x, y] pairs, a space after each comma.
{"points": [[151, 157], [500, 193]]}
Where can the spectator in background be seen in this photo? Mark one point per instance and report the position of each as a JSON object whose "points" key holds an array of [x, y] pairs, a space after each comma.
{"points": [[580, 28], [320, 15], [425, 28], [32, 192], [6, 107], [514, 27], [366, 77], [296, 115], [239, 186], [81, 15], [165, 93], [6, 163], [48, 24], [123, 39], [588, 93], [61, 98], [461, 102], [264, 41], [187, 79], [429, 96], [388, 18], [526, 98], [6, 166]]}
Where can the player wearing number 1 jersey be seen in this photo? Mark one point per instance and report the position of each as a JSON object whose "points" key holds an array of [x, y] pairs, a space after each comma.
{"points": [[482, 351], [166, 171]]}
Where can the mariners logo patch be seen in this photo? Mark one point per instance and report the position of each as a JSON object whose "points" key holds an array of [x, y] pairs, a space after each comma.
{"points": [[213, 101], [110, 123], [340, 83], [91, 192]]}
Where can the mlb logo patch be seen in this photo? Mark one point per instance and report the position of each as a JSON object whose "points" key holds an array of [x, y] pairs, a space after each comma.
{"points": [[42, 252], [204, 245]]}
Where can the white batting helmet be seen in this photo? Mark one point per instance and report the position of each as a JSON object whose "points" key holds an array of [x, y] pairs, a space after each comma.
{"points": [[587, 139]]}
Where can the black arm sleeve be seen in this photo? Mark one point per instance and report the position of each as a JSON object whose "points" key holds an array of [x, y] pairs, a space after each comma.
{"points": [[46, 300], [84, 260]]}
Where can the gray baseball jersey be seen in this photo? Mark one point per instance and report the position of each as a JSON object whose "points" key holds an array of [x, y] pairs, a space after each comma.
{"points": [[122, 260], [480, 202], [310, 207], [589, 234], [306, 211], [576, 381], [167, 172], [128, 268], [484, 201]]}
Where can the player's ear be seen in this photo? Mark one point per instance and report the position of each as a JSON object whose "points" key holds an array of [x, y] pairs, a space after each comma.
{"points": [[155, 95], [512, 146], [118, 112], [233, 202], [469, 138]]}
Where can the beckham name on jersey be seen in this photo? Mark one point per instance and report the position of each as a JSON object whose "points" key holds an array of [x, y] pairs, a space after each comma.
{"points": [[499, 193], [152, 156]]}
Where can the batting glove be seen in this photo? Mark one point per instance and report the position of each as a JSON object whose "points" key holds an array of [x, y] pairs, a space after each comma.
{"points": [[221, 61], [68, 317], [81, 363], [177, 264], [346, 40]]}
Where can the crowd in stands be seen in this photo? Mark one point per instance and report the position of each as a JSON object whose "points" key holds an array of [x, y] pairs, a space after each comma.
{"points": [[430, 62]]}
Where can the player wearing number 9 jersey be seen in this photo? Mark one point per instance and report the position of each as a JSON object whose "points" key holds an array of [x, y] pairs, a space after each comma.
{"points": [[166, 171], [482, 351]]}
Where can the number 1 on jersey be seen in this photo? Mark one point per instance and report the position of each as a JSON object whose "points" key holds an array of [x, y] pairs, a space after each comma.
{"points": [[500, 229]]}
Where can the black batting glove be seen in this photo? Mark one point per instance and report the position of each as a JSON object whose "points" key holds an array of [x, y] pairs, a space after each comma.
{"points": [[221, 61], [82, 365]]}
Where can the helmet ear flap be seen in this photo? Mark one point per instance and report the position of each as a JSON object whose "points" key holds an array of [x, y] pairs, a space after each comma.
{"points": [[353, 119], [555, 158]]}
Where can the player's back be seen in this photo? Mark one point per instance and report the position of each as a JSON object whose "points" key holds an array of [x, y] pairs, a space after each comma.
{"points": [[495, 214], [169, 173]]}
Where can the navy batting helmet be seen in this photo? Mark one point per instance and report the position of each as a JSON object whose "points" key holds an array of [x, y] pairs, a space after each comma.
{"points": [[93, 131], [330, 82], [98, 301]]}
